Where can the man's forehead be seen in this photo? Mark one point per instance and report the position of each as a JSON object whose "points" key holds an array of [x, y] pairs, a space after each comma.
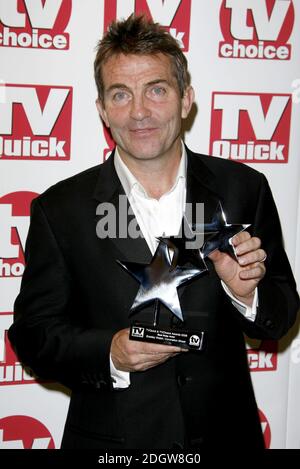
{"points": [[142, 66]]}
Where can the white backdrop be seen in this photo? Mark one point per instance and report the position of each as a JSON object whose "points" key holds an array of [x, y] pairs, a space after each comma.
{"points": [[247, 108]]}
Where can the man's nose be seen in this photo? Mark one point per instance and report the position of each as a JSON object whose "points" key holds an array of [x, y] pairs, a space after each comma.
{"points": [[139, 109]]}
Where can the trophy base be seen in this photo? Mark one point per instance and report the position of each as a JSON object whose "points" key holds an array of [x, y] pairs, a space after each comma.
{"points": [[192, 340]]}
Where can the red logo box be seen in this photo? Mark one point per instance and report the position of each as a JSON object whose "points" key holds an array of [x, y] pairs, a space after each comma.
{"points": [[14, 222], [175, 16], [256, 29], [11, 370], [262, 355], [23, 432], [266, 429], [36, 122], [38, 25], [251, 127]]}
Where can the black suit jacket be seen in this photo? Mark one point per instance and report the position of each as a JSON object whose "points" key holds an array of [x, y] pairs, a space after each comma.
{"points": [[75, 297]]}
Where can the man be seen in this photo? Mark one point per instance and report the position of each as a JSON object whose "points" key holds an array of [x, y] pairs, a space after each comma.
{"points": [[71, 316]]}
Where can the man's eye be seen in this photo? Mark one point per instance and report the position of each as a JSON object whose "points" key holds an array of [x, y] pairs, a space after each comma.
{"points": [[120, 96], [158, 91]]}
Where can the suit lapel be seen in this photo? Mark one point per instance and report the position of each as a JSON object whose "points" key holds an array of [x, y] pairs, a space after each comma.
{"points": [[201, 187], [108, 189]]}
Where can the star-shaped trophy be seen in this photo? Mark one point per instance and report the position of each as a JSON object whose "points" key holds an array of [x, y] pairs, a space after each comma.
{"points": [[218, 234], [188, 246], [166, 272], [159, 281]]}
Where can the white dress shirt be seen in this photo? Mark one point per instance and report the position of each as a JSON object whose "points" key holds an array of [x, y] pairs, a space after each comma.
{"points": [[157, 218]]}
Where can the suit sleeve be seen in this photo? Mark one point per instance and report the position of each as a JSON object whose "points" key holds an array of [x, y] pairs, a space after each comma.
{"points": [[278, 300], [43, 333]]}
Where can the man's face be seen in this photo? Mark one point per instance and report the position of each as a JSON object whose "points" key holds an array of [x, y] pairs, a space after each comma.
{"points": [[142, 105]]}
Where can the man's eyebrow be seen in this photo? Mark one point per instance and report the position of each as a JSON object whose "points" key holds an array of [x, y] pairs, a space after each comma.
{"points": [[122, 86], [157, 81], [118, 86]]}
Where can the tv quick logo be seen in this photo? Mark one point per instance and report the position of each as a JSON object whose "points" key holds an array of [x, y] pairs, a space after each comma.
{"points": [[256, 29], [23, 432], [11, 370], [262, 355], [266, 429], [250, 127], [38, 24], [35, 122], [174, 15], [14, 222]]}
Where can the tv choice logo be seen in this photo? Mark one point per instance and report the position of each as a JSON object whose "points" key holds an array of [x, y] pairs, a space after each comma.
{"points": [[11, 370], [38, 24], [23, 432], [35, 122], [14, 222], [262, 355], [251, 127], [266, 429], [256, 29], [174, 15]]}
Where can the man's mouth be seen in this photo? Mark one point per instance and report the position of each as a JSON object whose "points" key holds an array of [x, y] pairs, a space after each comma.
{"points": [[143, 132]]}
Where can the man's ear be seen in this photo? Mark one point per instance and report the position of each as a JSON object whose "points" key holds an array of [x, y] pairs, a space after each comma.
{"points": [[187, 101], [101, 111]]}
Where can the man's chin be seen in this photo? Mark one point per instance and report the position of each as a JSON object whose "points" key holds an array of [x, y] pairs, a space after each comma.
{"points": [[142, 153]]}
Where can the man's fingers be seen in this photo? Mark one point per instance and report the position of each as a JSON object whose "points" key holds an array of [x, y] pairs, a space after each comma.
{"points": [[153, 349], [142, 362], [145, 362], [216, 255], [252, 257], [130, 355], [240, 238], [247, 245], [133, 346], [254, 273]]}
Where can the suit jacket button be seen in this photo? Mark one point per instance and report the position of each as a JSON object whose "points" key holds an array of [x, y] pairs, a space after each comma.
{"points": [[196, 442], [269, 323], [182, 380], [177, 445]]}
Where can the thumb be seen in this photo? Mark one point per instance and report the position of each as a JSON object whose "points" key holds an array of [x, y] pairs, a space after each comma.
{"points": [[215, 255]]}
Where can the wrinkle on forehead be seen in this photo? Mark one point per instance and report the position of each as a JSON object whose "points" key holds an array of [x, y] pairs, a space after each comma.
{"points": [[136, 70]]}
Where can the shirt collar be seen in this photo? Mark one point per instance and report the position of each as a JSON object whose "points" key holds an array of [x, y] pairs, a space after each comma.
{"points": [[129, 181]]}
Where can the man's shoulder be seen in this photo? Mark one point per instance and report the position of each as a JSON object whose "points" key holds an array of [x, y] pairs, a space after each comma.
{"points": [[80, 185], [226, 173], [223, 167]]}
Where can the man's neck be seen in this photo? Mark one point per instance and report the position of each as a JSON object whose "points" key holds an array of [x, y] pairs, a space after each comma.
{"points": [[158, 175]]}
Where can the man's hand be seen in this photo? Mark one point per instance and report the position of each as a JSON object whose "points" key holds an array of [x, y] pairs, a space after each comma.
{"points": [[130, 355], [241, 277]]}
